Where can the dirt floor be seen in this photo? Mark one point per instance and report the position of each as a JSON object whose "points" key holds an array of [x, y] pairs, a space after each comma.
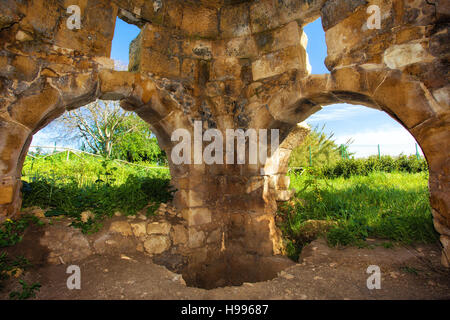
{"points": [[408, 272]]}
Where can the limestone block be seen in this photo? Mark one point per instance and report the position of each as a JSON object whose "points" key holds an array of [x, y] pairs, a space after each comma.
{"points": [[200, 21], [139, 228], [179, 234], [335, 11], [409, 33], [278, 62], [162, 227], [6, 192], [42, 103], [401, 55], [196, 238], [112, 243], [254, 183], [197, 48], [197, 216], [240, 47], [405, 98], [277, 163], [430, 136], [189, 68], [122, 227], [68, 244], [287, 36], [41, 18], [116, 84], [283, 182], [225, 68], [155, 37], [442, 96], [25, 68], [97, 29], [214, 236], [304, 11], [284, 195], [235, 21], [190, 198], [13, 138], [263, 15], [158, 63], [157, 244], [9, 13]]}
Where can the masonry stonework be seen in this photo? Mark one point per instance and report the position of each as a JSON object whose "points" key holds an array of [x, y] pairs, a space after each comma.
{"points": [[230, 64]]}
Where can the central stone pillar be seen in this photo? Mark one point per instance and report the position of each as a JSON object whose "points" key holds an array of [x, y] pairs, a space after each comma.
{"points": [[230, 212]]}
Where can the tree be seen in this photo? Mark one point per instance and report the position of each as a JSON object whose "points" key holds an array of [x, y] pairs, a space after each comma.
{"points": [[323, 148], [97, 124], [106, 129], [138, 144]]}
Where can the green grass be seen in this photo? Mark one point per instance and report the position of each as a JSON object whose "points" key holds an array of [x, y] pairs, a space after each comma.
{"points": [[357, 205], [86, 183], [393, 206]]}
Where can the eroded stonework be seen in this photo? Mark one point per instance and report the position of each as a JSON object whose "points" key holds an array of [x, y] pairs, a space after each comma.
{"points": [[229, 64]]}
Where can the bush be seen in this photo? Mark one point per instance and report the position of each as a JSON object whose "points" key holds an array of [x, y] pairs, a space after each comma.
{"points": [[84, 183], [354, 167], [391, 206]]}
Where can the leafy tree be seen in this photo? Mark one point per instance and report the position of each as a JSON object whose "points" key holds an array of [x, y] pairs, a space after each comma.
{"points": [[106, 129], [137, 144], [324, 150], [97, 124]]}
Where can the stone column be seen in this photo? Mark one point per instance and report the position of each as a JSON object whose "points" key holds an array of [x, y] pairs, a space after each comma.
{"points": [[13, 147]]}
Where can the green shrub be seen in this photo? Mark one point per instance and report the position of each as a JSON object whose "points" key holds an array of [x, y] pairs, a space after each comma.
{"points": [[393, 206], [86, 183], [355, 167]]}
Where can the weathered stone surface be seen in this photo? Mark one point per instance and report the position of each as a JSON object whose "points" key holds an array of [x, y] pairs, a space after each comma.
{"points": [[279, 62], [65, 245], [335, 11], [197, 216], [179, 235], [215, 236], [139, 228], [157, 244], [158, 228], [402, 55], [231, 64], [196, 238], [122, 227]]}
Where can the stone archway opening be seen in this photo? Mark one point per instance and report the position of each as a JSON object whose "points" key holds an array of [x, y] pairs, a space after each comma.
{"points": [[339, 190], [230, 65]]}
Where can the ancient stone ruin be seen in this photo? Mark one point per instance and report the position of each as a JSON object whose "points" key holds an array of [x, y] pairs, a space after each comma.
{"points": [[230, 64]]}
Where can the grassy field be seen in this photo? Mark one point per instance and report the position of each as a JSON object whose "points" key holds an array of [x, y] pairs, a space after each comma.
{"points": [[393, 206], [87, 183], [348, 208]]}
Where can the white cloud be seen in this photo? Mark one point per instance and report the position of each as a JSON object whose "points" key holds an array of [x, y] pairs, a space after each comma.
{"points": [[120, 65], [392, 141], [337, 112]]}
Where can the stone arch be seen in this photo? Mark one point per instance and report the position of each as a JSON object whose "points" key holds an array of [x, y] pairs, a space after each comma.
{"points": [[50, 99], [231, 64], [405, 99]]}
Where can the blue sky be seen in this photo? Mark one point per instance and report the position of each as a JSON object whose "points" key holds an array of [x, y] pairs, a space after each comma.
{"points": [[366, 127]]}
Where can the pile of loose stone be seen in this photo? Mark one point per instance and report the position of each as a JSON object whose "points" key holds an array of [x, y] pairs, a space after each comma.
{"points": [[162, 232]]}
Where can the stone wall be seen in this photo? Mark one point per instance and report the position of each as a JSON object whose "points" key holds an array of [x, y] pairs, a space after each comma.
{"points": [[229, 64]]}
